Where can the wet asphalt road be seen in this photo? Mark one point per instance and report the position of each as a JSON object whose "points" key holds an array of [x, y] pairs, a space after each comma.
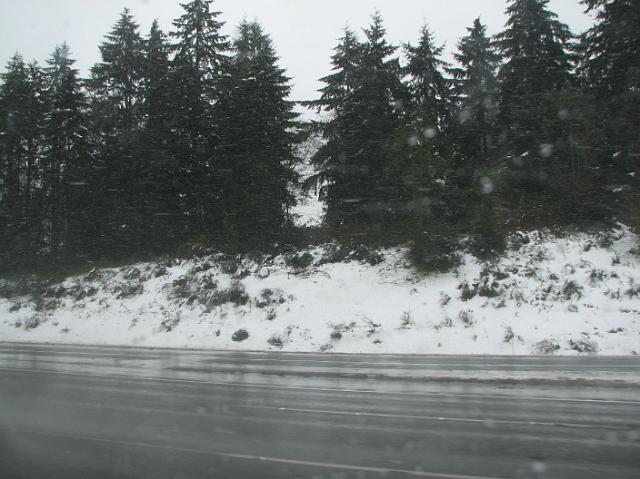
{"points": [[95, 412]]}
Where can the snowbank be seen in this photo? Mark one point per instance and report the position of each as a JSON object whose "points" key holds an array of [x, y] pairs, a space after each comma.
{"points": [[548, 295]]}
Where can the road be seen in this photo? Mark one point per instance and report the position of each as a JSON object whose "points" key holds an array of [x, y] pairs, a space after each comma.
{"points": [[96, 412]]}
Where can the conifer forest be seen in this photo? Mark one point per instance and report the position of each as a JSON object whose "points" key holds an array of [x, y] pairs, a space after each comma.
{"points": [[189, 139]]}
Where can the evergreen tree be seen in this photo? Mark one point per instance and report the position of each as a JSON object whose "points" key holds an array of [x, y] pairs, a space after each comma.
{"points": [[536, 50], [431, 95], [475, 87], [612, 46], [66, 169], [200, 57], [117, 91], [424, 156], [539, 180], [256, 141], [159, 162], [610, 71], [339, 130], [424, 153], [21, 108], [116, 82], [363, 95]]}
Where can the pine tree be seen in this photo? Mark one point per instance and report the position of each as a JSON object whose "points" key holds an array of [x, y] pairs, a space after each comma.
{"points": [[66, 170], [200, 58], [431, 95], [536, 50], [116, 82], [339, 132], [164, 218], [424, 152], [363, 95], [612, 46], [22, 110], [14, 94], [424, 156], [117, 93], [256, 141], [476, 89], [610, 70]]}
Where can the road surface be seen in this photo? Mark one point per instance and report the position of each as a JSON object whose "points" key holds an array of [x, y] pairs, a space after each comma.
{"points": [[97, 412]]}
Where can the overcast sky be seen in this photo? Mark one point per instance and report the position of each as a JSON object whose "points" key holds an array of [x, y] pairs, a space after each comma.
{"points": [[304, 31]]}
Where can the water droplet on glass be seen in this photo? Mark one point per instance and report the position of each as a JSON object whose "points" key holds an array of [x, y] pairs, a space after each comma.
{"points": [[430, 132], [487, 185], [546, 150]]}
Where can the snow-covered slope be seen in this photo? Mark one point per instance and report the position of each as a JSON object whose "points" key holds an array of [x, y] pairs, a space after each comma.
{"points": [[548, 295]]}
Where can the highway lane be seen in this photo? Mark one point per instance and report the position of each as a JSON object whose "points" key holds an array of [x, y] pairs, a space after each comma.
{"points": [[97, 412]]}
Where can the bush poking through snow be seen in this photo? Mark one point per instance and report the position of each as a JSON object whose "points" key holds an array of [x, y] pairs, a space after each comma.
{"points": [[235, 294], [571, 290], [240, 335], [338, 330], [509, 335], [584, 345], [299, 261], [445, 299], [406, 322], [276, 342], [269, 296], [336, 253], [32, 322], [372, 327], [467, 318], [128, 290], [546, 346], [170, 322]]}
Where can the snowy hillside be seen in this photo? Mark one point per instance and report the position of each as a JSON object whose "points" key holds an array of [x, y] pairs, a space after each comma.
{"points": [[548, 295]]}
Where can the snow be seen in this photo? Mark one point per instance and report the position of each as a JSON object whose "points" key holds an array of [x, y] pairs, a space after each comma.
{"points": [[548, 295]]}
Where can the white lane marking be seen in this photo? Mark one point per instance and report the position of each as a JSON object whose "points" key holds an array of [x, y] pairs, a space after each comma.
{"points": [[250, 457], [432, 418], [317, 389], [507, 365]]}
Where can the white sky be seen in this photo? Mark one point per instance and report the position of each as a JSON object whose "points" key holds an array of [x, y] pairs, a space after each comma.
{"points": [[304, 31]]}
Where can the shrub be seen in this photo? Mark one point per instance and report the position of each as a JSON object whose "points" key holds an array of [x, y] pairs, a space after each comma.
{"points": [[405, 321], [236, 294], [170, 322], [434, 254], [571, 290], [467, 292], [128, 290], [467, 318], [584, 345], [546, 346], [509, 335], [268, 297], [32, 322], [240, 335], [275, 341], [299, 260]]}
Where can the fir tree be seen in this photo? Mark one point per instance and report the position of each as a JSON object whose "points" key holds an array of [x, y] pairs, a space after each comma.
{"points": [[116, 81], [21, 147], [536, 50], [431, 95], [364, 96], [200, 57], [256, 141], [66, 171], [612, 46], [117, 94], [159, 170], [475, 87]]}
